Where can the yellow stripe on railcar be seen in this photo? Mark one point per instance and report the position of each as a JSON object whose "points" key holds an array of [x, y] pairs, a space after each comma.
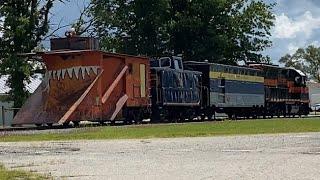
{"points": [[236, 77]]}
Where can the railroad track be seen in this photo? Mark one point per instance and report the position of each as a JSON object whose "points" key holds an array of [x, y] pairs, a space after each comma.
{"points": [[120, 123]]}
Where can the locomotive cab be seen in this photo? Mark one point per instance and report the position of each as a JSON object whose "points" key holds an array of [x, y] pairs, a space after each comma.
{"points": [[173, 62], [298, 77], [298, 90]]}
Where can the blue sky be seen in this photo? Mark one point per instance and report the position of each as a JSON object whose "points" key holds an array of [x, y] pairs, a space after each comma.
{"points": [[297, 23]]}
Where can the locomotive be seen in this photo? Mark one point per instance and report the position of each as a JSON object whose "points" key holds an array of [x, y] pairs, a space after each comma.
{"points": [[83, 83]]}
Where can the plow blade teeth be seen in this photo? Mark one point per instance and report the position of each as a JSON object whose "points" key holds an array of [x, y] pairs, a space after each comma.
{"points": [[76, 71], [70, 71], [63, 73]]}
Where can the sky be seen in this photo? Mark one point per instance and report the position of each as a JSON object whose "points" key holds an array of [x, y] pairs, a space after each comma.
{"points": [[297, 23]]}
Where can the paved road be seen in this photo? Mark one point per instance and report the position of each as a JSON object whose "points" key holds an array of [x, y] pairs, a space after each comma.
{"points": [[287, 156]]}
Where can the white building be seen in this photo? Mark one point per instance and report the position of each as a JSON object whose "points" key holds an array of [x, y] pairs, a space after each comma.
{"points": [[7, 105], [314, 93]]}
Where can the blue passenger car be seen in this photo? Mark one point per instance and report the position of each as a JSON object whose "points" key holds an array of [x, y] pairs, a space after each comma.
{"points": [[234, 90], [232, 86]]}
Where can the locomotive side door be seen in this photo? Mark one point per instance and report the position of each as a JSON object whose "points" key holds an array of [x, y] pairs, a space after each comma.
{"points": [[222, 90]]}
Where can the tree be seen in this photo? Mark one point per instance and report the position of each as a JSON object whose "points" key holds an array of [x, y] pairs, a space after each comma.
{"points": [[218, 30], [222, 30], [25, 22], [306, 60], [134, 27]]}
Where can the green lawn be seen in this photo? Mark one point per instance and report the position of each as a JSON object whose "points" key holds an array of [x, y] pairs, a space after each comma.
{"points": [[178, 130], [18, 174]]}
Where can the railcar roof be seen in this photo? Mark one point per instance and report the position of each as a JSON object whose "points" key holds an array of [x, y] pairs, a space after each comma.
{"points": [[298, 71], [170, 69], [89, 50]]}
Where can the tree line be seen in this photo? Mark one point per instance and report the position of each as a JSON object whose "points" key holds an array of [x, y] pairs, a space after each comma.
{"points": [[225, 31]]}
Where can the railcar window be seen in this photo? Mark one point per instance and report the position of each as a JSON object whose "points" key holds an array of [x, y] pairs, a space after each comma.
{"points": [[177, 61], [165, 62], [222, 82], [213, 68], [221, 69], [232, 70], [216, 68], [235, 71], [260, 73], [251, 72]]}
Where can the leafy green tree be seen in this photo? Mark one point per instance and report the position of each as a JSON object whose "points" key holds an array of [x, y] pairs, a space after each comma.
{"points": [[218, 30], [306, 60], [135, 27], [25, 22]]}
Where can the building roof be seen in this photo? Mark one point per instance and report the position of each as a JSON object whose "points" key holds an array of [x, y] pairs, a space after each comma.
{"points": [[35, 81]]}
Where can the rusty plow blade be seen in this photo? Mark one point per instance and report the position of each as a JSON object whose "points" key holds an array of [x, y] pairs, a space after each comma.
{"points": [[63, 96]]}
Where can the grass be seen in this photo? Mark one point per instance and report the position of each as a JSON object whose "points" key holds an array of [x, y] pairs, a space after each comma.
{"points": [[18, 174], [178, 130]]}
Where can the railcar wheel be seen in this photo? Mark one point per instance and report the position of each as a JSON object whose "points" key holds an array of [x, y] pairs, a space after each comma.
{"points": [[38, 125], [76, 123], [156, 116], [137, 118], [49, 124], [203, 117], [66, 124], [112, 123], [128, 120]]}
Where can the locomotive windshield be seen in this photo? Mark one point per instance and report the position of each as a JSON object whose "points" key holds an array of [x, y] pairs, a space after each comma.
{"points": [[298, 76]]}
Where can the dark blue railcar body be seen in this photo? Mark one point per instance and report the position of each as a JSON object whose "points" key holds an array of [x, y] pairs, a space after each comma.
{"points": [[176, 87]]}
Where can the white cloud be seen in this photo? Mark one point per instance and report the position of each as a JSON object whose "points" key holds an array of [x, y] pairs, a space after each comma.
{"points": [[315, 43], [287, 28], [292, 48]]}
